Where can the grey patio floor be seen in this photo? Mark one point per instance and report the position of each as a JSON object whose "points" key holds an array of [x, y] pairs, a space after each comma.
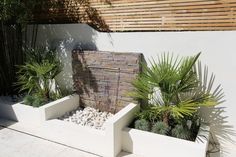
{"points": [[18, 144], [14, 143]]}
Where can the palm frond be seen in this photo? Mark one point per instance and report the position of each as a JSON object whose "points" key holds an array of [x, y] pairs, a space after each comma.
{"points": [[184, 86], [186, 108], [187, 75], [205, 86], [38, 73]]}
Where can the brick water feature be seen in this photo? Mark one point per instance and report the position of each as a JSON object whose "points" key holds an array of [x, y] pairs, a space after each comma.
{"points": [[103, 79]]}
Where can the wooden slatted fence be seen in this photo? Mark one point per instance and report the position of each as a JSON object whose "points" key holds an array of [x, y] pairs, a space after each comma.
{"points": [[145, 15]]}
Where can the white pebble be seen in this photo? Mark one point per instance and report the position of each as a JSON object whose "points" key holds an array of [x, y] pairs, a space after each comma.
{"points": [[87, 117]]}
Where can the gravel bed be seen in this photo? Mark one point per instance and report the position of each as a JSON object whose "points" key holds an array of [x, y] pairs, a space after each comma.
{"points": [[88, 116]]}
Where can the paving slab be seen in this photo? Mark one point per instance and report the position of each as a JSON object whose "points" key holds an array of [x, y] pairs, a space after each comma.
{"points": [[19, 141], [18, 144]]}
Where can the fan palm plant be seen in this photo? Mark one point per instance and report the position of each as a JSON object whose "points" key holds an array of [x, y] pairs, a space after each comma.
{"points": [[37, 76], [174, 88]]}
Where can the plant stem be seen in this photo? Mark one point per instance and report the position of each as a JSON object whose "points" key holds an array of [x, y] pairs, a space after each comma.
{"points": [[166, 116]]}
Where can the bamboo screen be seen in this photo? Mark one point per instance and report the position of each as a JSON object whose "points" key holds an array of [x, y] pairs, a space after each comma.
{"points": [[146, 15]]}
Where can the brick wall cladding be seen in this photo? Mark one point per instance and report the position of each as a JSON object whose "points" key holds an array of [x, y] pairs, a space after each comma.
{"points": [[103, 79]]}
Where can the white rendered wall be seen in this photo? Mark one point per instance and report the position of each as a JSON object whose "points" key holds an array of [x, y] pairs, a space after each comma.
{"points": [[218, 52]]}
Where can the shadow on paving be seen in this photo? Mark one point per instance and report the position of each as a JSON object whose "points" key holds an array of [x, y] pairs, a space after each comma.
{"points": [[7, 114]]}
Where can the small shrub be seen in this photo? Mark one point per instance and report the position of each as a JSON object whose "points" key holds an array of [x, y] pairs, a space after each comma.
{"points": [[160, 128], [142, 124], [39, 101], [28, 100], [182, 132], [34, 100]]}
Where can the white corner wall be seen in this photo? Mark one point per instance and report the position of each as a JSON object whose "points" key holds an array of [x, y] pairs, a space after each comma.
{"points": [[218, 52]]}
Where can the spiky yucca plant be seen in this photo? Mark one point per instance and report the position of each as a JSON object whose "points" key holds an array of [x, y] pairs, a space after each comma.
{"points": [[173, 88]]}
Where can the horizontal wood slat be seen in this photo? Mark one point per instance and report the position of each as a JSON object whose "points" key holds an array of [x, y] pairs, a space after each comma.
{"points": [[144, 15]]}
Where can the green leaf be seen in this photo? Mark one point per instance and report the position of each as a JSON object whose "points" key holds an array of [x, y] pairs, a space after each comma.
{"points": [[184, 87]]}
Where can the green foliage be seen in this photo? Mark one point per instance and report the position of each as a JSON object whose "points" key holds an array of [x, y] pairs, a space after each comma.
{"points": [[175, 86], [35, 100], [148, 114], [160, 128], [28, 100], [40, 54], [17, 11], [37, 76], [142, 124], [182, 132], [14, 15], [22, 11], [172, 90]]}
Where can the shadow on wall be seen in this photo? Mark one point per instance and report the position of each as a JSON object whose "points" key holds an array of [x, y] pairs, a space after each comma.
{"points": [[222, 132], [67, 37], [66, 45], [71, 11], [64, 38], [84, 80]]}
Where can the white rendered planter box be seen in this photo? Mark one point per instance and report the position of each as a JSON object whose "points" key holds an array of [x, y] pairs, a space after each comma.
{"points": [[106, 143], [29, 115], [147, 144]]}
